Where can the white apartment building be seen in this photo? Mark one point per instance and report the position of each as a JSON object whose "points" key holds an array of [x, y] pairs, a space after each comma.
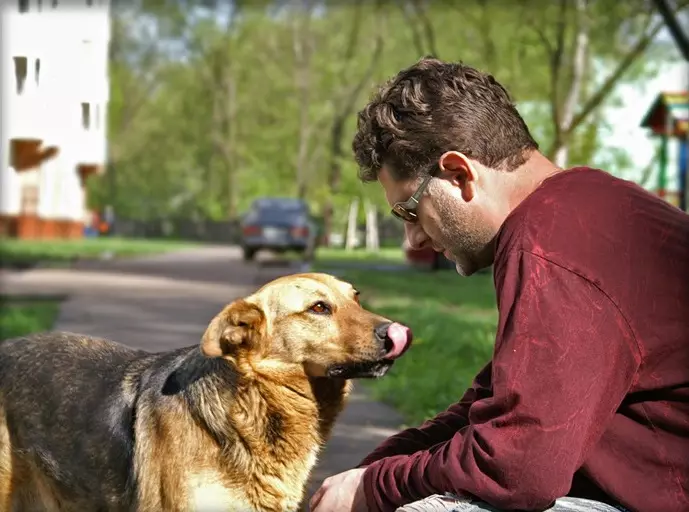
{"points": [[54, 103]]}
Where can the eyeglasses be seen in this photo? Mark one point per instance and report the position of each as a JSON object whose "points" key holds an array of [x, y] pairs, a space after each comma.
{"points": [[406, 210]]}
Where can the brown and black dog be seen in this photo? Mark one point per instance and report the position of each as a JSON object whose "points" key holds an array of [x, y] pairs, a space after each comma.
{"points": [[89, 425]]}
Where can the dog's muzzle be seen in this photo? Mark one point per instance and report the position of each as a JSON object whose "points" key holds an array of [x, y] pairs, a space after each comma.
{"points": [[394, 338]]}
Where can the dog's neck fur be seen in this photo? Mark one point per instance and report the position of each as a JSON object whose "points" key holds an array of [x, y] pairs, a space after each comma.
{"points": [[267, 418]]}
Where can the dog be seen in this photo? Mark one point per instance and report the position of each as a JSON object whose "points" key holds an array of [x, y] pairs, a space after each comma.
{"points": [[233, 424]]}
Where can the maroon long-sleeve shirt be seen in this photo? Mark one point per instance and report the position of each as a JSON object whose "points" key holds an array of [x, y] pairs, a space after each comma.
{"points": [[587, 393]]}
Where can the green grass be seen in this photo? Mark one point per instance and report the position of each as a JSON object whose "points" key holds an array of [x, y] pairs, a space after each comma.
{"points": [[63, 251], [19, 317], [453, 319], [333, 256]]}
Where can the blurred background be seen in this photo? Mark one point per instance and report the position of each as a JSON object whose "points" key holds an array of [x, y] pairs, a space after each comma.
{"points": [[152, 150], [186, 112], [214, 105]]}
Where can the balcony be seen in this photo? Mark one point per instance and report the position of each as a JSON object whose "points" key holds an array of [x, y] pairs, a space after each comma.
{"points": [[27, 124], [27, 154]]}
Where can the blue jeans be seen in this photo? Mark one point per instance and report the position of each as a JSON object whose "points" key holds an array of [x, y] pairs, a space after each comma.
{"points": [[450, 503]]}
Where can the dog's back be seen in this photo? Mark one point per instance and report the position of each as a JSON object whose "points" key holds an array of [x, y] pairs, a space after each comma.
{"points": [[66, 413]]}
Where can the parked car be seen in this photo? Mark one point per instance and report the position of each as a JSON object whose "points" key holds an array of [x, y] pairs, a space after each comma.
{"points": [[278, 224], [426, 258]]}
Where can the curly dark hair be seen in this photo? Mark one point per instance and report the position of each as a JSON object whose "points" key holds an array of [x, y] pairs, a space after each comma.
{"points": [[433, 107]]}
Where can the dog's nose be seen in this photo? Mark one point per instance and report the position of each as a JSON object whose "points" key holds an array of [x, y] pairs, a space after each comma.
{"points": [[396, 338]]}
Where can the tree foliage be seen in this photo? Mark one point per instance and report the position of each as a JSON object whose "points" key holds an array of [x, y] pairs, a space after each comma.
{"points": [[216, 103]]}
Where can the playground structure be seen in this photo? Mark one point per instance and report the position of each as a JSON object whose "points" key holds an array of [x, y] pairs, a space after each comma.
{"points": [[668, 118]]}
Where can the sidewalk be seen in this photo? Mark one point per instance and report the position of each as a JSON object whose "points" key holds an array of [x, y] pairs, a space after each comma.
{"points": [[163, 302]]}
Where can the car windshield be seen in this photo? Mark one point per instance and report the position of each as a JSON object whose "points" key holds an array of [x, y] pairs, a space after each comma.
{"points": [[282, 204], [278, 210]]}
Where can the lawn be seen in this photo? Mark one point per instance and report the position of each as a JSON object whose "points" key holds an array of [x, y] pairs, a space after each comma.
{"points": [[453, 319], [28, 252], [333, 256], [19, 317]]}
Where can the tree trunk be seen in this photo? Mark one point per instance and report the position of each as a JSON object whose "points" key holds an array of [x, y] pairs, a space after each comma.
{"points": [[231, 152], [138, 89], [574, 93], [564, 130], [344, 108], [672, 22], [602, 93], [219, 74], [302, 45]]}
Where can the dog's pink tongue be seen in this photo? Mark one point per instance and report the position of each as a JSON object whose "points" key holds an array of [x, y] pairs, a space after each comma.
{"points": [[401, 337]]}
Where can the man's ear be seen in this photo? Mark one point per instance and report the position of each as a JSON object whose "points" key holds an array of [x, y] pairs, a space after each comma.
{"points": [[235, 325], [464, 173]]}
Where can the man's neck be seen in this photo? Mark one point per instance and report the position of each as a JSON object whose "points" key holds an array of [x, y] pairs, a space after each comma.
{"points": [[524, 180]]}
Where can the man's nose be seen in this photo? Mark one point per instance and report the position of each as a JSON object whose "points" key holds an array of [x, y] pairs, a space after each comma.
{"points": [[417, 237]]}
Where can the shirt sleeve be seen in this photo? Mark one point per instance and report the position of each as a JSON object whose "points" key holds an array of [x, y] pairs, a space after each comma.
{"points": [[439, 429], [564, 359]]}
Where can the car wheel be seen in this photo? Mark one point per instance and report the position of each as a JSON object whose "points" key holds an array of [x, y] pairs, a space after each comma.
{"points": [[249, 254]]}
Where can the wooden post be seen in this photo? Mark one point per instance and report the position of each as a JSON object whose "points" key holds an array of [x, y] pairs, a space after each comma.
{"points": [[351, 224], [662, 166], [664, 155], [372, 241], [683, 165]]}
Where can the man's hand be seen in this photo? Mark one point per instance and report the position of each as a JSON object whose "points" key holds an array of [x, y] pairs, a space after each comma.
{"points": [[343, 492]]}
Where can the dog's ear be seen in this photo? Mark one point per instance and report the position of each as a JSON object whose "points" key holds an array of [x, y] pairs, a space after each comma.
{"points": [[237, 324]]}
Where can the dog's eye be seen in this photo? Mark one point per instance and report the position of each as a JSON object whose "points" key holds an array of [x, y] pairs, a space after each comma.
{"points": [[320, 308]]}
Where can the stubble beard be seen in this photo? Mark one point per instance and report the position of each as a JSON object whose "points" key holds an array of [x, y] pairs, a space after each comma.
{"points": [[464, 239]]}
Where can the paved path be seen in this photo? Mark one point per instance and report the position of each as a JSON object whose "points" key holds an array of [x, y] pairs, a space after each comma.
{"points": [[166, 301]]}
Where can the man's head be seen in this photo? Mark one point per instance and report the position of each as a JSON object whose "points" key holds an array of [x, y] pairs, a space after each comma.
{"points": [[451, 134]]}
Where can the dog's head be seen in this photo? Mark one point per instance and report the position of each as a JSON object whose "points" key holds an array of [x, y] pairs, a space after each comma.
{"points": [[313, 320]]}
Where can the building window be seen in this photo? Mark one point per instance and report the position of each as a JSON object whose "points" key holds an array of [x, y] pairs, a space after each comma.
{"points": [[54, 4], [37, 68], [89, 3], [23, 5], [86, 116], [40, 5], [20, 72]]}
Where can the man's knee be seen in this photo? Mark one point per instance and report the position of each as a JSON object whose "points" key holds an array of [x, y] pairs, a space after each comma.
{"points": [[582, 505], [450, 503], [445, 503]]}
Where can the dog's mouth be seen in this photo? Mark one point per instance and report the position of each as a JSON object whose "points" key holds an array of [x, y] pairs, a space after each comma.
{"points": [[360, 369], [394, 340]]}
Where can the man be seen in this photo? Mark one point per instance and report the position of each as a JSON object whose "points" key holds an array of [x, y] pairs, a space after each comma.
{"points": [[585, 404]]}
